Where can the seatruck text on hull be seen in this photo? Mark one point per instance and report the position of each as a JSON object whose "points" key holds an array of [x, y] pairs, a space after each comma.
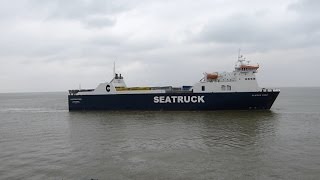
{"points": [[178, 99]]}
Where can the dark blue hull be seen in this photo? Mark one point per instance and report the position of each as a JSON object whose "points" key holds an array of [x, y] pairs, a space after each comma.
{"points": [[174, 101]]}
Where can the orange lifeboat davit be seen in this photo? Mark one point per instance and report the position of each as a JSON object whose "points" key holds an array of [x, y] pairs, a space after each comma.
{"points": [[212, 75]]}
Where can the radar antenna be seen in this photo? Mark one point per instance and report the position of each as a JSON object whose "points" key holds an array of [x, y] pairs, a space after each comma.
{"points": [[240, 56]]}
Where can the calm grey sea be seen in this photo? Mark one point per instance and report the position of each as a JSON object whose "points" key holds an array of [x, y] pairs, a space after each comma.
{"points": [[41, 139]]}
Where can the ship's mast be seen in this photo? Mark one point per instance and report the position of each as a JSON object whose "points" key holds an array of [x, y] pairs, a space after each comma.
{"points": [[241, 59], [114, 69]]}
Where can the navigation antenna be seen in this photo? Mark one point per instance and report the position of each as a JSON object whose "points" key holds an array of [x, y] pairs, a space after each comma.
{"points": [[241, 59]]}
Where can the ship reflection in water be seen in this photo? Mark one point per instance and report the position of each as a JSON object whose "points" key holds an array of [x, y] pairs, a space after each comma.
{"points": [[172, 144]]}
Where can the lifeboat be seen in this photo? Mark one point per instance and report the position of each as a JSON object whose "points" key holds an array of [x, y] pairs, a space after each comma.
{"points": [[212, 75], [249, 66]]}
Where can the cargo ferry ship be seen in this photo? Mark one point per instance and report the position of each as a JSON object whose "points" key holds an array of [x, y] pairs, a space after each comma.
{"points": [[237, 90]]}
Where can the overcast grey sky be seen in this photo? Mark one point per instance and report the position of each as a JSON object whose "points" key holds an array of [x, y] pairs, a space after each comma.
{"points": [[54, 45]]}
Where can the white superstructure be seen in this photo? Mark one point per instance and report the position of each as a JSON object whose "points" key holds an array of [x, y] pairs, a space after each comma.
{"points": [[242, 79]]}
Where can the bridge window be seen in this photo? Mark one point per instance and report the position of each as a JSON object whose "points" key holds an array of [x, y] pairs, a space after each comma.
{"points": [[203, 88], [223, 87], [229, 88]]}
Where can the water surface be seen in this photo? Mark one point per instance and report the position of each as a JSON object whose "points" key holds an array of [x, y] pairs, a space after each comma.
{"points": [[41, 139]]}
